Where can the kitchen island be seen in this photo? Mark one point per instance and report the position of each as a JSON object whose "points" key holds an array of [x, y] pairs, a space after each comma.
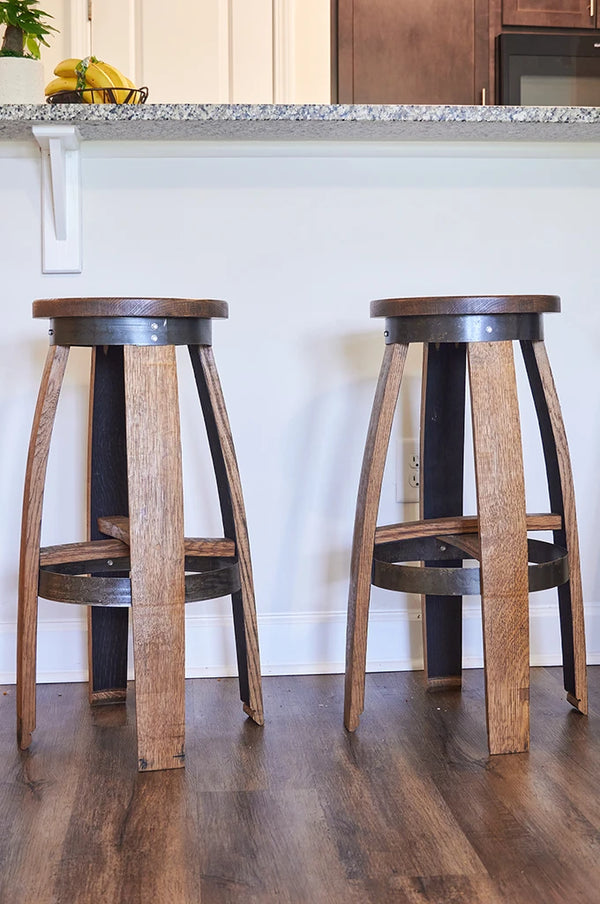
{"points": [[298, 216]]}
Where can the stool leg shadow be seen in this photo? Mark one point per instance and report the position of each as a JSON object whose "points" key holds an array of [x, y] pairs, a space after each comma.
{"points": [[369, 492], [31, 526], [107, 495], [442, 466], [234, 524], [562, 502]]}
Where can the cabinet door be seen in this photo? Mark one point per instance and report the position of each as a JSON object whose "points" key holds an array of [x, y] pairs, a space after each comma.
{"points": [[405, 52], [552, 13], [217, 51]]}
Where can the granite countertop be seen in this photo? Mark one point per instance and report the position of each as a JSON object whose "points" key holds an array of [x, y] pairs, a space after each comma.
{"points": [[312, 122]]}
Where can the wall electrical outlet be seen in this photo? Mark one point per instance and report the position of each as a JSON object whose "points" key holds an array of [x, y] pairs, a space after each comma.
{"points": [[408, 470]]}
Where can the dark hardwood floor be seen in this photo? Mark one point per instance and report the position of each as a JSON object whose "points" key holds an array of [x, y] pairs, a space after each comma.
{"points": [[409, 809]]}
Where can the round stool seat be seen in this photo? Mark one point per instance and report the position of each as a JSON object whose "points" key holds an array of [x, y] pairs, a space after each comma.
{"points": [[465, 304], [130, 321], [130, 307]]}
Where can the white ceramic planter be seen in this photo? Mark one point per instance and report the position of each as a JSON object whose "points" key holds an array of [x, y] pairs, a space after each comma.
{"points": [[21, 81]]}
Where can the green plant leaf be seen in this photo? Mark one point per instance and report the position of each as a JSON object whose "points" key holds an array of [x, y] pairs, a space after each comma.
{"points": [[33, 47], [27, 18]]}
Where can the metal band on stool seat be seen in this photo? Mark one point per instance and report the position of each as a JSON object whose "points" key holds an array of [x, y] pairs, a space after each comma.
{"points": [[89, 331], [550, 567], [463, 328]]}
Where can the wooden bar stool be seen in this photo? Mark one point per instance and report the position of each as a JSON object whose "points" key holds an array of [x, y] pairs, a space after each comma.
{"points": [[480, 331], [137, 555]]}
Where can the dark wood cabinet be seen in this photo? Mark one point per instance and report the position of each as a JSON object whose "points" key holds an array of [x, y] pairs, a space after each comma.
{"points": [[407, 52], [403, 51], [549, 13]]}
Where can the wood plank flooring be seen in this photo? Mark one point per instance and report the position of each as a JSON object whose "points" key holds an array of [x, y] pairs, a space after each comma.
{"points": [[409, 809]]}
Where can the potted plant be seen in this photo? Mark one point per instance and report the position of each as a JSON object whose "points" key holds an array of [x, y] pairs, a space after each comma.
{"points": [[21, 73]]}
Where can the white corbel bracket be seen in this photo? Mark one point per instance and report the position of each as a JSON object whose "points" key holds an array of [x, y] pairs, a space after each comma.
{"points": [[61, 198]]}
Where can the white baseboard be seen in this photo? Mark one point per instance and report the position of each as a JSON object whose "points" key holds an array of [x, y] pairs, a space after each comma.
{"points": [[306, 643]]}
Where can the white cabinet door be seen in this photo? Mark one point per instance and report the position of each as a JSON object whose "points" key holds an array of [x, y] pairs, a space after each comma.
{"points": [[207, 51], [177, 56], [251, 53], [202, 51]]}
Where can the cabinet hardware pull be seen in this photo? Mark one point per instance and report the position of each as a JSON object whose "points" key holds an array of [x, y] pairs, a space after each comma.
{"points": [[592, 10], [483, 92]]}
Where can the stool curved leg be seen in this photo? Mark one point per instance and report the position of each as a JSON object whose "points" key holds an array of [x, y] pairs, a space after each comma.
{"points": [[503, 537], [234, 524], [31, 526], [369, 491], [562, 501]]}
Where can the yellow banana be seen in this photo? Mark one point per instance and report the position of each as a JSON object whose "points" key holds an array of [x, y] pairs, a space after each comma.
{"points": [[134, 98], [67, 68], [120, 81], [95, 77], [95, 74], [61, 84], [117, 77]]}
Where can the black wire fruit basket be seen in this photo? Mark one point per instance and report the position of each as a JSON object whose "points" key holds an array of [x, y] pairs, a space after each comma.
{"points": [[100, 96]]}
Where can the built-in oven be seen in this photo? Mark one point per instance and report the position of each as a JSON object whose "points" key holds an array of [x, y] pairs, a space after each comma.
{"points": [[548, 69]]}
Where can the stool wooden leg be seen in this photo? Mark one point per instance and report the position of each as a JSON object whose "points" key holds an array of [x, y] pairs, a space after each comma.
{"points": [[442, 459], [503, 536], [234, 524], [562, 501], [107, 495], [157, 553], [369, 491], [31, 525]]}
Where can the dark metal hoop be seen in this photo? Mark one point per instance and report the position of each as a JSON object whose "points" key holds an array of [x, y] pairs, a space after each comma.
{"points": [[463, 328], [71, 583], [89, 331], [550, 567]]}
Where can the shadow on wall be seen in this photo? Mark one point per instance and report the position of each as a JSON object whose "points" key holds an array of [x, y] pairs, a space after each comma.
{"points": [[324, 448], [21, 370]]}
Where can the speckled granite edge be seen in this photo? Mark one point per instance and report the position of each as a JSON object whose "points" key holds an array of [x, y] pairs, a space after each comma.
{"points": [[293, 113], [316, 121]]}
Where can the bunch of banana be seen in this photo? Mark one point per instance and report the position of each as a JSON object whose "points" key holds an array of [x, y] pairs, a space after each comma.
{"points": [[75, 75]]}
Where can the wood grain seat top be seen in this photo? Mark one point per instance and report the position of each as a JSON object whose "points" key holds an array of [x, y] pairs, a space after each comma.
{"points": [[130, 307], [465, 304]]}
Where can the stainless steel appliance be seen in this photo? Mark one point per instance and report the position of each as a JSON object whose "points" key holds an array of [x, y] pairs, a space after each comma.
{"points": [[548, 69]]}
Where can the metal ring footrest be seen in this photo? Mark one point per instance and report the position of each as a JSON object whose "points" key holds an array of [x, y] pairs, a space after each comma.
{"points": [[549, 568], [88, 584]]}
